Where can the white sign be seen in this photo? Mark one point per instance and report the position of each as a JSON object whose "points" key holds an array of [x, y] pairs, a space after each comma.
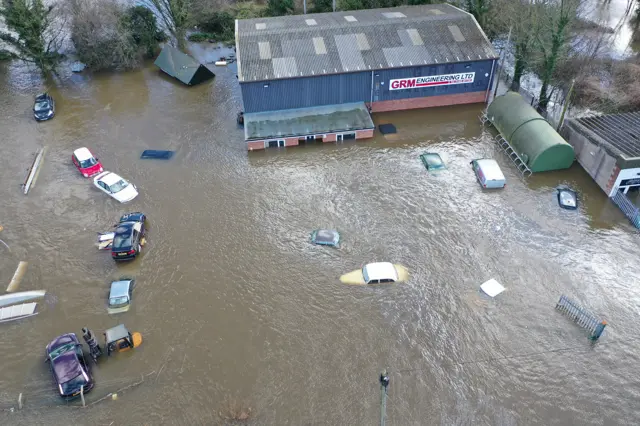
{"points": [[432, 80]]}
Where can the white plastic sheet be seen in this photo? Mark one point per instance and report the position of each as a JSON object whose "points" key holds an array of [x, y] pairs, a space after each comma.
{"points": [[492, 287]]}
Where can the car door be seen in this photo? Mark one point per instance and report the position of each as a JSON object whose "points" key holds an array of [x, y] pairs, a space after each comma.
{"points": [[75, 161], [104, 187]]}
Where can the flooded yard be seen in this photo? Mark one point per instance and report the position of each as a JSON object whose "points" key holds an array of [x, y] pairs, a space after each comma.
{"points": [[236, 307]]}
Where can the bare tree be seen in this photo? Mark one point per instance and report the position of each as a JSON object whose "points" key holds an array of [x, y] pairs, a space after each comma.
{"points": [[175, 15]]}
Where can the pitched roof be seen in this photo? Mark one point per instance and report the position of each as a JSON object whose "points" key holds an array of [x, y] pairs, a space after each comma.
{"points": [[620, 131], [181, 66], [359, 40]]}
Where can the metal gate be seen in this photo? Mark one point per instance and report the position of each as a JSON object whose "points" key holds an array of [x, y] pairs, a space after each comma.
{"points": [[628, 208]]}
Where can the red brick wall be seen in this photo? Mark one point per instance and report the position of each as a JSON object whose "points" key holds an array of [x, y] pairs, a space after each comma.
{"points": [[612, 180], [291, 141], [363, 134], [429, 101], [330, 137], [255, 145]]}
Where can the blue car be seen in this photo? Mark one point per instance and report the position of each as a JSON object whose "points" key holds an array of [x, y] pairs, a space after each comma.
{"points": [[44, 107]]}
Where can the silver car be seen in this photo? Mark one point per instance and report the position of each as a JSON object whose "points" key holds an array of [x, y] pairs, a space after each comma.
{"points": [[120, 296]]}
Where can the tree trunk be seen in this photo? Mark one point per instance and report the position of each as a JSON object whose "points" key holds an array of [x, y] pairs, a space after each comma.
{"points": [[519, 66], [550, 60], [181, 39]]}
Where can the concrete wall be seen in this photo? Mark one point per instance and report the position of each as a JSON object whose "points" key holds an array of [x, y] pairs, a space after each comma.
{"points": [[369, 87], [329, 137]]}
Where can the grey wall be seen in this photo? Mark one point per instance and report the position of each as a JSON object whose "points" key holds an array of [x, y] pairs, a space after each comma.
{"points": [[356, 87]]}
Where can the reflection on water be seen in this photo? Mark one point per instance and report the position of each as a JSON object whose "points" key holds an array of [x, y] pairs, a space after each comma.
{"points": [[235, 304]]}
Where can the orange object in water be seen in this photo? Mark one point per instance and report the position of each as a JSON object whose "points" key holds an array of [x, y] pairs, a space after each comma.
{"points": [[137, 339]]}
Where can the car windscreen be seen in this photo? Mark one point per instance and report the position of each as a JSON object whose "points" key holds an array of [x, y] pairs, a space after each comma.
{"points": [[88, 163], [118, 301], [73, 385], [41, 106], [119, 186], [122, 240]]}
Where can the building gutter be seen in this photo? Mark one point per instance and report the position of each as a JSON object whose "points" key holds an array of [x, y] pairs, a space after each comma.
{"points": [[493, 65]]}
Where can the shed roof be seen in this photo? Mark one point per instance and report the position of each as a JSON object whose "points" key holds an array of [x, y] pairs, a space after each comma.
{"points": [[539, 146], [182, 66], [307, 121], [359, 40], [620, 131]]}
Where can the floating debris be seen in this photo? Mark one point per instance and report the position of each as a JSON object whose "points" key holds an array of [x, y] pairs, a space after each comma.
{"points": [[78, 66], [492, 288], [387, 129], [17, 276], [582, 317]]}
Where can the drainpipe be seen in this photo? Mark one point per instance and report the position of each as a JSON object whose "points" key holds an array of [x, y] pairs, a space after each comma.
{"points": [[493, 66], [371, 102]]}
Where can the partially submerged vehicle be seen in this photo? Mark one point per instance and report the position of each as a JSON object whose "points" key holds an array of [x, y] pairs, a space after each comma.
{"points": [[23, 296], [488, 173], [128, 238], [376, 273], [119, 339], [567, 197], [115, 186], [325, 237], [120, 296], [86, 163], [68, 366], [44, 107], [432, 161]]}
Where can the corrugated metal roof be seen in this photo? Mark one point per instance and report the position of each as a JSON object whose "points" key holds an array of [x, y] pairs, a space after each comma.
{"points": [[358, 40], [621, 131]]}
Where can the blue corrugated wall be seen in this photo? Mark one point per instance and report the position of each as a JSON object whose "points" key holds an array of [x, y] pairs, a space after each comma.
{"points": [[357, 87]]}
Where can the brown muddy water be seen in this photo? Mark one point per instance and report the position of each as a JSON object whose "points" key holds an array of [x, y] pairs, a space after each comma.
{"points": [[235, 305]]}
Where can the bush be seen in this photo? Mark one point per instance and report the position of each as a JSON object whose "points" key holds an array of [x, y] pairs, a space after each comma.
{"points": [[101, 36], [200, 37], [144, 29], [5, 55]]}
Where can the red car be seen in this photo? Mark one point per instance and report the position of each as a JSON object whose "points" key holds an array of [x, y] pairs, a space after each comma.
{"points": [[86, 163]]}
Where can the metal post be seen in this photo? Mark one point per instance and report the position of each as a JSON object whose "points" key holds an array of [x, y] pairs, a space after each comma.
{"points": [[304, 2], [495, 93], [82, 395], [334, 5], [20, 401], [384, 382], [566, 105]]}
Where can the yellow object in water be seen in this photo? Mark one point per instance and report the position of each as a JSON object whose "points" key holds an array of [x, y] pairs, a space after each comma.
{"points": [[137, 339], [17, 277], [376, 273]]}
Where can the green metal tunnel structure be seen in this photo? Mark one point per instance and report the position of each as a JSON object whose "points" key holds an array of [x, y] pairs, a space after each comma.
{"points": [[537, 144]]}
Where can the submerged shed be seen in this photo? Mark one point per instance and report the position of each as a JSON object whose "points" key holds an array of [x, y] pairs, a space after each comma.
{"points": [[181, 66], [537, 144]]}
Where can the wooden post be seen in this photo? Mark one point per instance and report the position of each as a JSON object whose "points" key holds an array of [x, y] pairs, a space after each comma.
{"points": [[82, 395], [20, 401], [566, 105], [384, 382]]}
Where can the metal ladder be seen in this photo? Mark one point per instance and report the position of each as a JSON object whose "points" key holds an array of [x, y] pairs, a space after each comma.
{"points": [[513, 156], [582, 317], [484, 118]]}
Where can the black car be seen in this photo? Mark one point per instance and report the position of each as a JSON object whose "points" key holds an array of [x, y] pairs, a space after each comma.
{"points": [[129, 236], [44, 107], [69, 368]]}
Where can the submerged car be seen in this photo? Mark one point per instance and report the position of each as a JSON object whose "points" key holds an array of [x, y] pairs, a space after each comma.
{"points": [[488, 173], [432, 161], [44, 107], [86, 163], [69, 368], [115, 186], [128, 237], [120, 296], [567, 197], [376, 273], [325, 237]]}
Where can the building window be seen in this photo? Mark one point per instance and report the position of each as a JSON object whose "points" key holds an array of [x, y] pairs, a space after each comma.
{"points": [[274, 143]]}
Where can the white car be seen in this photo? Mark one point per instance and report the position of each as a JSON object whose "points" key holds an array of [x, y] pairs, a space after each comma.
{"points": [[376, 273], [115, 186]]}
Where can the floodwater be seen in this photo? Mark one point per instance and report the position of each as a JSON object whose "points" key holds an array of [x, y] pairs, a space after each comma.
{"points": [[237, 309]]}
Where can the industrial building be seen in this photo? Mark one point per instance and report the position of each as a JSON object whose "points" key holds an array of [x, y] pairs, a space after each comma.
{"points": [[608, 148], [319, 76]]}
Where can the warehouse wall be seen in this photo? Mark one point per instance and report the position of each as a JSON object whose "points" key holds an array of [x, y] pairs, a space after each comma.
{"points": [[357, 87]]}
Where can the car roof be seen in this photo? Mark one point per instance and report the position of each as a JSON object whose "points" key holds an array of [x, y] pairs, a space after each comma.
{"points": [[110, 178], [62, 340], [116, 333], [67, 366], [82, 154], [127, 227], [381, 270], [490, 168], [120, 288]]}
